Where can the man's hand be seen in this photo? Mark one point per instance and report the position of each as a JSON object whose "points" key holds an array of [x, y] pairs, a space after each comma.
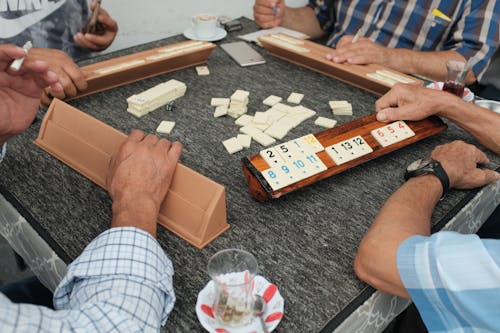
{"points": [[460, 161], [410, 102], [269, 13], [20, 90], [364, 51], [99, 42], [70, 75], [139, 176]]}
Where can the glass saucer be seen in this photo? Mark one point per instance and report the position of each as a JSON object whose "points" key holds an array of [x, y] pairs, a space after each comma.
{"points": [[272, 316]]}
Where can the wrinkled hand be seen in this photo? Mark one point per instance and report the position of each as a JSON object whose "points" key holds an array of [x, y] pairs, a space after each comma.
{"points": [[364, 51], [139, 176], [460, 160], [99, 42], [70, 75], [20, 90], [410, 102], [268, 13]]}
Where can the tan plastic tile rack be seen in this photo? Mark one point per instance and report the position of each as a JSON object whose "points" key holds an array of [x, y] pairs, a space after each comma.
{"points": [[115, 72], [195, 207], [312, 56]]}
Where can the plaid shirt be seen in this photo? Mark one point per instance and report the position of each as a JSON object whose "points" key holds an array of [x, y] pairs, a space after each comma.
{"points": [[122, 282], [473, 30], [454, 281]]}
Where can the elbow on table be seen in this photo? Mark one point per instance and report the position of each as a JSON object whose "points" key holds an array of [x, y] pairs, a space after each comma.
{"points": [[362, 267]]}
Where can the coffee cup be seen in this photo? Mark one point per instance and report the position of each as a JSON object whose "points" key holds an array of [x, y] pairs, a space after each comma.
{"points": [[204, 25]]}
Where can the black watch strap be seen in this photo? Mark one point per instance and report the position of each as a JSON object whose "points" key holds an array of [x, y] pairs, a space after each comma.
{"points": [[436, 169], [442, 176]]}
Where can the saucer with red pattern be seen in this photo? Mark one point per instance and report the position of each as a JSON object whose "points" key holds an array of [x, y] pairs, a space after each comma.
{"points": [[274, 309]]}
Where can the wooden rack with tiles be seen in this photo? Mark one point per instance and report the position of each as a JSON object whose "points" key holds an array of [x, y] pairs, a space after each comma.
{"points": [[289, 166], [372, 77], [138, 66]]}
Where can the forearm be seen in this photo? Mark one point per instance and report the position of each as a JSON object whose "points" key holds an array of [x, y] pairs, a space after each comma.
{"points": [[481, 123], [304, 20], [407, 212], [135, 213], [429, 64], [121, 271]]}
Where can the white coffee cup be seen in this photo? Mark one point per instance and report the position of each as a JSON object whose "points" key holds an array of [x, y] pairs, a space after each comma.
{"points": [[204, 25]]}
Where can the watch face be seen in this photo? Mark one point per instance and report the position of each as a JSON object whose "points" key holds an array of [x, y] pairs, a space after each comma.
{"points": [[414, 165], [418, 164]]}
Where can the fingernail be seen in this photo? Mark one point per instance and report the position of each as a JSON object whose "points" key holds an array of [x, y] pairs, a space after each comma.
{"points": [[381, 116], [497, 175], [58, 87], [329, 56], [51, 75], [336, 59]]}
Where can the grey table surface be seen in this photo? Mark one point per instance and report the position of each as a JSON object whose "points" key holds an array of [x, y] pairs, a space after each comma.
{"points": [[304, 242]]}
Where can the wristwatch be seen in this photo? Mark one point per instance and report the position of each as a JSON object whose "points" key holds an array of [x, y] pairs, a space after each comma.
{"points": [[428, 166]]}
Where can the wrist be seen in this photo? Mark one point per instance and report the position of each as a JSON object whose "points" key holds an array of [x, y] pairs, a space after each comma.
{"points": [[400, 60], [448, 105], [429, 166], [139, 213], [431, 184]]}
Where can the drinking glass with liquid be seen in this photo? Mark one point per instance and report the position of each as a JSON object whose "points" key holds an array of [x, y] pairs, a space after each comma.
{"points": [[233, 272], [455, 77]]}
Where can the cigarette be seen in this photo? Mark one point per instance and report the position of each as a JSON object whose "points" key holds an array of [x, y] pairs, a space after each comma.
{"points": [[17, 63], [356, 36]]}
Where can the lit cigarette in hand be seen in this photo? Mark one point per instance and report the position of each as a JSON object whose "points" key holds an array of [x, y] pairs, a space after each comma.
{"points": [[17, 63]]}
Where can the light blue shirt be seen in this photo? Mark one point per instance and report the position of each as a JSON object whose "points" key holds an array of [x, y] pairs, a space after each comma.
{"points": [[122, 282], [454, 281]]}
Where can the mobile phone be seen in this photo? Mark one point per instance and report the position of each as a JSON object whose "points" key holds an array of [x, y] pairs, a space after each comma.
{"points": [[233, 25], [243, 54]]}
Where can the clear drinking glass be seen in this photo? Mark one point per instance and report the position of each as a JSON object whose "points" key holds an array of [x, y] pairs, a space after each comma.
{"points": [[455, 78], [233, 272]]}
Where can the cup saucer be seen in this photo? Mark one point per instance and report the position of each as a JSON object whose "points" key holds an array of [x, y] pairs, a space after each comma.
{"points": [[467, 96], [219, 34], [272, 315]]}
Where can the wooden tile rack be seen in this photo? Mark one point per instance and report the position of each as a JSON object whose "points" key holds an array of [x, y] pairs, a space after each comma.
{"points": [[195, 206], [312, 55], [254, 166], [138, 66]]}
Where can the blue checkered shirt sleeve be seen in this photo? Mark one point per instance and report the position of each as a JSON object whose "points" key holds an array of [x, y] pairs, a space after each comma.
{"points": [[454, 281], [122, 282]]}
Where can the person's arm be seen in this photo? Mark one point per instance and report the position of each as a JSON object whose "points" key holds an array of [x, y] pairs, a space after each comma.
{"points": [[477, 39], [20, 90], [406, 102], [122, 281], [426, 63], [273, 13], [408, 212]]}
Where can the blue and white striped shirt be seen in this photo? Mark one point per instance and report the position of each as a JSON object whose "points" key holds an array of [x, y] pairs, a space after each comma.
{"points": [[122, 282], [473, 30], [454, 281]]}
